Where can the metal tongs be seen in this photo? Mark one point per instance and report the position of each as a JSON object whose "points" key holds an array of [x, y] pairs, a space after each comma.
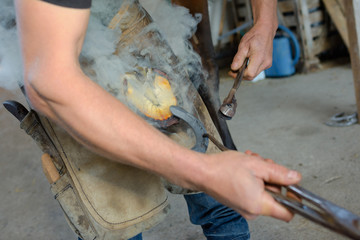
{"points": [[320, 211], [228, 108]]}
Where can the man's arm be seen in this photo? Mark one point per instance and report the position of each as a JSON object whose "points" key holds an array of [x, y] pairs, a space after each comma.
{"points": [[257, 44], [51, 38]]}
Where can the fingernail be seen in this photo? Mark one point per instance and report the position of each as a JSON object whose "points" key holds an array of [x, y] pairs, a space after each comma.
{"points": [[293, 175]]}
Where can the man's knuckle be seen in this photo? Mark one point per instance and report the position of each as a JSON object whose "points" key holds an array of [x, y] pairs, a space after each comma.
{"points": [[242, 52], [268, 62], [251, 75]]}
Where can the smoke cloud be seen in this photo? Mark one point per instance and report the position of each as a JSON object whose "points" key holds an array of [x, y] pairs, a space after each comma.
{"points": [[10, 58], [175, 24]]}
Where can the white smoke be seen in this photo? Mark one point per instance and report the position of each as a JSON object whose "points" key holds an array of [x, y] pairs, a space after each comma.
{"points": [[10, 58], [175, 24]]}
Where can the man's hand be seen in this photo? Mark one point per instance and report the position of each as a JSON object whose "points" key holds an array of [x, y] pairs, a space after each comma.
{"points": [[257, 43], [239, 182]]}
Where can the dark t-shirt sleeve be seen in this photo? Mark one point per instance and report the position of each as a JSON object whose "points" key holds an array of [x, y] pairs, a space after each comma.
{"points": [[71, 3]]}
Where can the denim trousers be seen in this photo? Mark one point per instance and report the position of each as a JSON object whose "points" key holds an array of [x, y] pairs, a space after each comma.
{"points": [[217, 221]]}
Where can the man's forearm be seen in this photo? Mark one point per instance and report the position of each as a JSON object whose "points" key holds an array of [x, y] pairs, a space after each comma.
{"points": [[265, 13], [106, 126], [57, 87]]}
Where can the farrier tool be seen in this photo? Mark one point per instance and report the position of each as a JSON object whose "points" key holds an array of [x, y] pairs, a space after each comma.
{"points": [[320, 211], [30, 123], [228, 108], [317, 210], [16, 109]]}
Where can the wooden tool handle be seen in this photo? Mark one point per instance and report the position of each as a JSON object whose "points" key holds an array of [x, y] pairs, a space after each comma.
{"points": [[49, 168]]}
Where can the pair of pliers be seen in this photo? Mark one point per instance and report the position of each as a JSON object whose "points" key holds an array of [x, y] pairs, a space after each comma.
{"points": [[320, 211]]}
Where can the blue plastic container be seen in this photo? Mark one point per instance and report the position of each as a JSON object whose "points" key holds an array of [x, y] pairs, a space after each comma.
{"points": [[283, 60]]}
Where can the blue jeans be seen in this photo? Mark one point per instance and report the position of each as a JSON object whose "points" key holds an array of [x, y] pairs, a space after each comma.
{"points": [[217, 221], [137, 237]]}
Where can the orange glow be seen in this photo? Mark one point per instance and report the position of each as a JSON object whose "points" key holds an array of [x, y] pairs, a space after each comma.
{"points": [[150, 93]]}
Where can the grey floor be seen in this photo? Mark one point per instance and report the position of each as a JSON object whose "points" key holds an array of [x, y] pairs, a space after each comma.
{"points": [[282, 119]]}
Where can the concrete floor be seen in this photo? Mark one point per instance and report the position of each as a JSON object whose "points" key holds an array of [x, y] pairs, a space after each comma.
{"points": [[280, 119]]}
